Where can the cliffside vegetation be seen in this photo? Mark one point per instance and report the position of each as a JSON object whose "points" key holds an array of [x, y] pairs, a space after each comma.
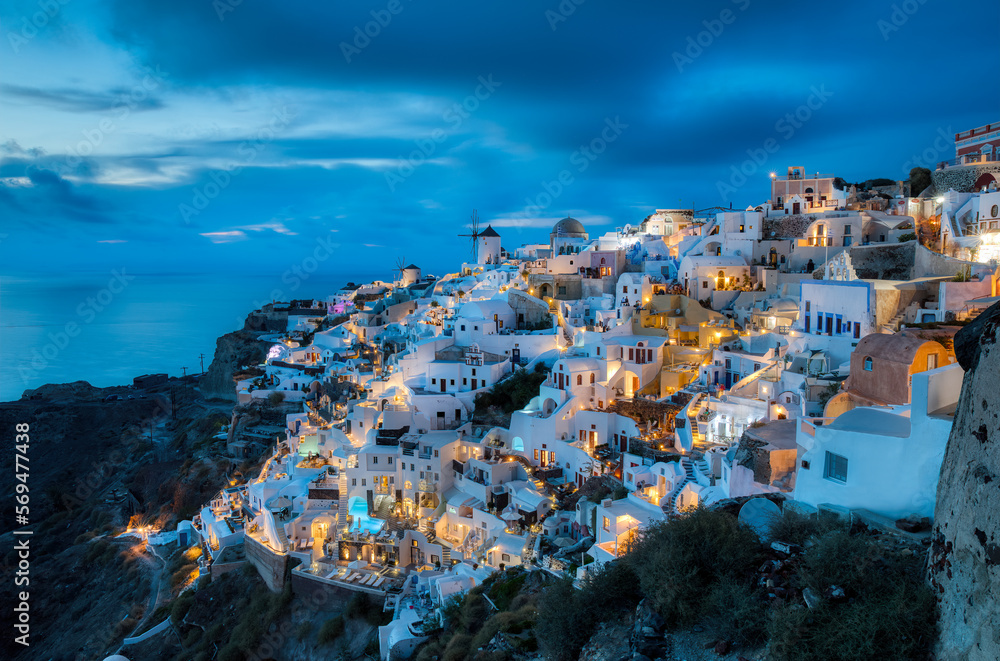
{"points": [[513, 393], [844, 594]]}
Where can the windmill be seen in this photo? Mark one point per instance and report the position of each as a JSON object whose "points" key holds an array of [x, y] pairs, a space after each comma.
{"points": [[400, 267], [475, 236]]}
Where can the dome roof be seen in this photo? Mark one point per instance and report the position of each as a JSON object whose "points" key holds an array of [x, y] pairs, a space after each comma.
{"points": [[569, 225]]}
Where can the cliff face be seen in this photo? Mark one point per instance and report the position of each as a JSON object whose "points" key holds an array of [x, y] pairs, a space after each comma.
{"points": [[232, 352], [965, 555]]}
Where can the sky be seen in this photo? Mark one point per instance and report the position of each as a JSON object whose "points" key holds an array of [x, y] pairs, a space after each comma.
{"points": [[201, 136]]}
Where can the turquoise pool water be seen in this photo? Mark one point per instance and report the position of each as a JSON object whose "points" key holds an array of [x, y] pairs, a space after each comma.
{"points": [[357, 508]]}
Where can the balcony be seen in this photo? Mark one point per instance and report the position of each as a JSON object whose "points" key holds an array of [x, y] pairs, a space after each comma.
{"points": [[427, 486]]}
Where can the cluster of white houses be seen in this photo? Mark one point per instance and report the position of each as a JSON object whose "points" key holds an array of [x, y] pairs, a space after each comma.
{"points": [[687, 359]]}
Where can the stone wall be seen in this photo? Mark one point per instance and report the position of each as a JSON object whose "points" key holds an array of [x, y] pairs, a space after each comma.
{"points": [[888, 261], [962, 178], [964, 567], [270, 565]]}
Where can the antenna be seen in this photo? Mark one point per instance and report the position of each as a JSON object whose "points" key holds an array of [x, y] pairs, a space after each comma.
{"points": [[475, 235]]}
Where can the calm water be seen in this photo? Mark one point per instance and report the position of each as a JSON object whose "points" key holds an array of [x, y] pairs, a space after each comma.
{"points": [[123, 328]]}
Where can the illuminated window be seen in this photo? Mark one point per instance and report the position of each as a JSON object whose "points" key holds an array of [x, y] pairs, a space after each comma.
{"points": [[606, 523]]}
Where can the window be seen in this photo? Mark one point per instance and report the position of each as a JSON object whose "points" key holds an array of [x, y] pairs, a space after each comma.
{"points": [[591, 377], [836, 467], [389, 461], [505, 557], [847, 229], [868, 363], [354, 482], [463, 326], [374, 460], [579, 379], [704, 284], [562, 290], [932, 361], [452, 381], [434, 381], [808, 304], [363, 483], [436, 453], [606, 523]]}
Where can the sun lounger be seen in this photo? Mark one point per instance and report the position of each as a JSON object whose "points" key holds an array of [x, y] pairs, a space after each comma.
{"points": [[380, 581]]}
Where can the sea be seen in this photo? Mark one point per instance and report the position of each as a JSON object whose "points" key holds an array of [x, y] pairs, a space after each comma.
{"points": [[108, 327]]}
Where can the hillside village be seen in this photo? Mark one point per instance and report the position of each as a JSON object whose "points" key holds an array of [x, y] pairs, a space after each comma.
{"points": [[800, 349]]}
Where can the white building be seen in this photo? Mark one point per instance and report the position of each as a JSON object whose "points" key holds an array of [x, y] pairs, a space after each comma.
{"points": [[882, 459]]}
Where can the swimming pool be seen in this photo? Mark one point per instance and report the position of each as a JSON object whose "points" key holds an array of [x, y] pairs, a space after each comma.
{"points": [[357, 508]]}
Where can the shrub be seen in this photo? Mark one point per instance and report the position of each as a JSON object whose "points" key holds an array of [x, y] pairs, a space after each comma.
{"points": [[457, 647], [889, 612], [736, 612], [679, 559], [795, 527], [567, 617], [276, 398], [514, 392], [909, 236]]}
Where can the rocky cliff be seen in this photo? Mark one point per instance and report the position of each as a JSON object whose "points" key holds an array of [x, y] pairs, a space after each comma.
{"points": [[233, 352], [965, 556]]}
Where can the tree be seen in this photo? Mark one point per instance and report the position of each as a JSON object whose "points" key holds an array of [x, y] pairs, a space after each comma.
{"points": [[920, 179]]}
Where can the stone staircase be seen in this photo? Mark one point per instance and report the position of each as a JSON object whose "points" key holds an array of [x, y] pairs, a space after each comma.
{"points": [[675, 495], [893, 324], [282, 536], [342, 503]]}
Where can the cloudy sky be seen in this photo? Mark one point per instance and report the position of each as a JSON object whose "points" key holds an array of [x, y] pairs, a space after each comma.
{"points": [[192, 135]]}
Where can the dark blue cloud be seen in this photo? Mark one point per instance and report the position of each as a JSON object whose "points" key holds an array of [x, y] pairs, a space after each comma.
{"points": [[700, 86]]}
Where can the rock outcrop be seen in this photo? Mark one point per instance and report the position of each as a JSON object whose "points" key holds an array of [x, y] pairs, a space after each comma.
{"points": [[233, 352], [965, 555]]}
